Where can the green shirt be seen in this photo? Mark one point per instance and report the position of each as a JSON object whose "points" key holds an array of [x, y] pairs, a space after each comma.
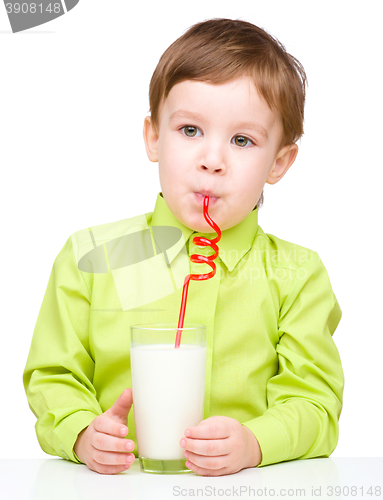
{"points": [[270, 314]]}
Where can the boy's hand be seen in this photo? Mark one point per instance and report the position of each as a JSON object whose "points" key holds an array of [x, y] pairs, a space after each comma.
{"points": [[220, 445], [101, 446]]}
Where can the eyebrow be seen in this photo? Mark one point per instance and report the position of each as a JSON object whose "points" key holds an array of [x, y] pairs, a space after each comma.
{"points": [[197, 116]]}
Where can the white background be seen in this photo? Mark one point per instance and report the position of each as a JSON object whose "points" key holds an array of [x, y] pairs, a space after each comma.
{"points": [[73, 96]]}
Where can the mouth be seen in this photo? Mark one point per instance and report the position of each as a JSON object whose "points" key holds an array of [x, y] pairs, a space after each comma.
{"points": [[199, 196]]}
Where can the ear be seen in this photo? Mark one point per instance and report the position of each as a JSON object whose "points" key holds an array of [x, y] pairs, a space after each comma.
{"points": [[283, 161], [151, 140]]}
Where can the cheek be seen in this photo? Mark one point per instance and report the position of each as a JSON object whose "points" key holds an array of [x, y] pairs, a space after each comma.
{"points": [[249, 189], [170, 156], [257, 171], [170, 142], [251, 181]]}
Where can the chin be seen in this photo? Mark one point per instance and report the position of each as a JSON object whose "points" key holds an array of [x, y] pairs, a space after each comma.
{"points": [[199, 226], [198, 223], [204, 228]]}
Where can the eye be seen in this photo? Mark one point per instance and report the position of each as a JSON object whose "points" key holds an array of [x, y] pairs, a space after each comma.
{"points": [[242, 141], [190, 130]]}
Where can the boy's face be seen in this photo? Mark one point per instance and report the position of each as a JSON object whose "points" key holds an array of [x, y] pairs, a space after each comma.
{"points": [[218, 140]]}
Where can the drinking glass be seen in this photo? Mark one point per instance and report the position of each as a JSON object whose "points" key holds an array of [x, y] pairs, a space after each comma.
{"points": [[168, 386]]}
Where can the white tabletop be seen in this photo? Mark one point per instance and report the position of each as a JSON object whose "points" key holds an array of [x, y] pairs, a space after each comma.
{"points": [[56, 479]]}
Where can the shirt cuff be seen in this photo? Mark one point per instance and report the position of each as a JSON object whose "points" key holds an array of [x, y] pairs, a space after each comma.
{"points": [[67, 432], [272, 437]]}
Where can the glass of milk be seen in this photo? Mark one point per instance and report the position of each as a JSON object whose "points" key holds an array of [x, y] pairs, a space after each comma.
{"points": [[168, 391]]}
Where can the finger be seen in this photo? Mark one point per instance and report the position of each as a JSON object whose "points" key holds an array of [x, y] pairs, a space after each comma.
{"points": [[206, 472], [112, 458], [105, 442], [107, 425], [108, 469], [209, 429], [207, 447], [120, 410], [211, 463]]}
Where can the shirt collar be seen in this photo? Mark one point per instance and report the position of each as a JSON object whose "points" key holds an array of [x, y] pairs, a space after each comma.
{"points": [[234, 243]]}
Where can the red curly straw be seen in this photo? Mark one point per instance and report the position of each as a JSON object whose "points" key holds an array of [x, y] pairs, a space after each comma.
{"points": [[197, 240]]}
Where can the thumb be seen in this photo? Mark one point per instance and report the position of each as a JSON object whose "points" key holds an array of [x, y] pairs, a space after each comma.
{"points": [[120, 410]]}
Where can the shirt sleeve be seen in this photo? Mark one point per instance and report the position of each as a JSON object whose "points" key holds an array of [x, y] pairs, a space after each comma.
{"points": [[59, 370], [305, 396]]}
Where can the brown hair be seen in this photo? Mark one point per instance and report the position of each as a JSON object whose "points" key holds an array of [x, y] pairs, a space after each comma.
{"points": [[219, 50]]}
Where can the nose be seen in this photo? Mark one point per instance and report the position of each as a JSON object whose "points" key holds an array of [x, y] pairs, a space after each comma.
{"points": [[212, 160]]}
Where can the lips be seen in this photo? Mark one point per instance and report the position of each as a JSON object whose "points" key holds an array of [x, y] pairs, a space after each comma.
{"points": [[200, 195], [210, 194]]}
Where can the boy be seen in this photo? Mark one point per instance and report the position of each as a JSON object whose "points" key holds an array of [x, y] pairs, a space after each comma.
{"points": [[227, 106]]}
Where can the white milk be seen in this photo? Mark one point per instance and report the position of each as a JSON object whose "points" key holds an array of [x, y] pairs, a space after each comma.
{"points": [[168, 396]]}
